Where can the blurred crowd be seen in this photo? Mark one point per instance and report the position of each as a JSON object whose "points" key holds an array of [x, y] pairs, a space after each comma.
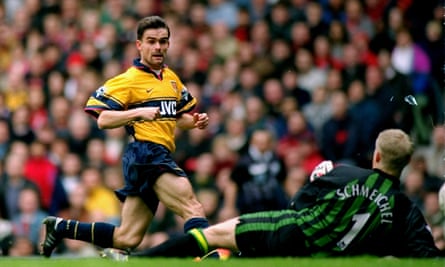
{"points": [[286, 85]]}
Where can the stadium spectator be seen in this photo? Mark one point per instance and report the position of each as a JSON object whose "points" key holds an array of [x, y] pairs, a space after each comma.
{"points": [[20, 125], [13, 181], [77, 211], [352, 67], [323, 58], [27, 222], [249, 84], [222, 11], [214, 89], [338, 38], [274, 97], [256, 116], [432, 45], [241, 31], [95, 154], [225, 157], [45, 174], [338, 135], [362, 107], [314, 19], [203, 178], [334, 82], [378, 90], [260, 38], [4, 139], [367, 56], [280, 57], [37, 107], [80, 132], [226, 45], [258, 175], [59, 110], [21, 246], [113, 178], [356, 20], [235, 134], [333, 10], [100, 201], [203, 172], [115, 141], [309, 76], [300, 36], [289, 79], [318, 111], [70, 169], [409, 59], [295, 179], [413, 186], [279, 21], [191, 144], [257, 9], [435, 153], [297, 130]]}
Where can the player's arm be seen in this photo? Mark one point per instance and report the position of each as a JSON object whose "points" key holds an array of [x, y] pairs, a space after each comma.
{"points": [[108, 104], [415, 238], [419, 238], [196, 120], [108, 119]]}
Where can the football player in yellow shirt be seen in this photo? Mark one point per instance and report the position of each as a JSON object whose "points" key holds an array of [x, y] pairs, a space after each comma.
{"points": [[150, 101]]}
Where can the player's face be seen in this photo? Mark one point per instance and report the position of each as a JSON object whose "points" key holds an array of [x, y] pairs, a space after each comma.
{"points": [[153, 47]]}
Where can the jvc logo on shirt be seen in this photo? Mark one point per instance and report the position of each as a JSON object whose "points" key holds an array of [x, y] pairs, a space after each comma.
{"points": [[167, 108]]}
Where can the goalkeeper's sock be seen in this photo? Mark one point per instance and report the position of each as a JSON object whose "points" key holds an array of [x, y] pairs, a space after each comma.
{"points": [[196, 222], [192, 244]]}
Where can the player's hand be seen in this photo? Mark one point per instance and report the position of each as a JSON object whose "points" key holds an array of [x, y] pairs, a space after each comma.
{"points": [[148, 113], [201, 120], [321, 169]]}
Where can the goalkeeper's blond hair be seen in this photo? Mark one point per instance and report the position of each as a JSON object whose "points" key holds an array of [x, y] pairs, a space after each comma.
{"points": [[395, 148]]}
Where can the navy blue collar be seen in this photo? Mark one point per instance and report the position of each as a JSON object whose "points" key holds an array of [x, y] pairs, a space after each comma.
{"points": [[138, 64]]}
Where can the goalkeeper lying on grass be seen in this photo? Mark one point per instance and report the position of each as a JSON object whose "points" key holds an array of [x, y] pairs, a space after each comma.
{"points": [[346, 211]]}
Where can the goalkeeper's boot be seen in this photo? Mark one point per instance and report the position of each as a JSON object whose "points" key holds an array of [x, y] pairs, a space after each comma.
{"points": [[219, 253], [52, 238]]}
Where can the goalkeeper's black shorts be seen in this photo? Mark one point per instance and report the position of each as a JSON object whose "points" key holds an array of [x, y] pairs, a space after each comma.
{"points": [[270, 233]]}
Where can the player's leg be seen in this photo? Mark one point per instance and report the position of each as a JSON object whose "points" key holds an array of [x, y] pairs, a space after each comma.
{"points": [[271, 233], [196, 242], [135, 219], [97, 233], [260, 234], [222, 235], [177, 194]]}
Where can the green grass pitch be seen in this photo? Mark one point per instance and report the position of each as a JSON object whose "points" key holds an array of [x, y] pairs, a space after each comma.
{"points": [[232, 262]]}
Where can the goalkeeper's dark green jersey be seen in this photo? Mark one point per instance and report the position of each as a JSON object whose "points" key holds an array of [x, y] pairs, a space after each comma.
{"points": [[354, 211]]}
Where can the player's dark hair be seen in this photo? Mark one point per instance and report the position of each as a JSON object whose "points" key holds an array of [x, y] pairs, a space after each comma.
{"points": [[151, 22]]}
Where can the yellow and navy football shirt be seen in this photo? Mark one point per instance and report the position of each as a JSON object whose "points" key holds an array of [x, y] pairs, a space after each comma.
{"points": [[138, 87]]}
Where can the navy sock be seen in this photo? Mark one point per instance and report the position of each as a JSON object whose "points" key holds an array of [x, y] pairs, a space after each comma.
{"points": [[97, 233], [197, 222]]}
